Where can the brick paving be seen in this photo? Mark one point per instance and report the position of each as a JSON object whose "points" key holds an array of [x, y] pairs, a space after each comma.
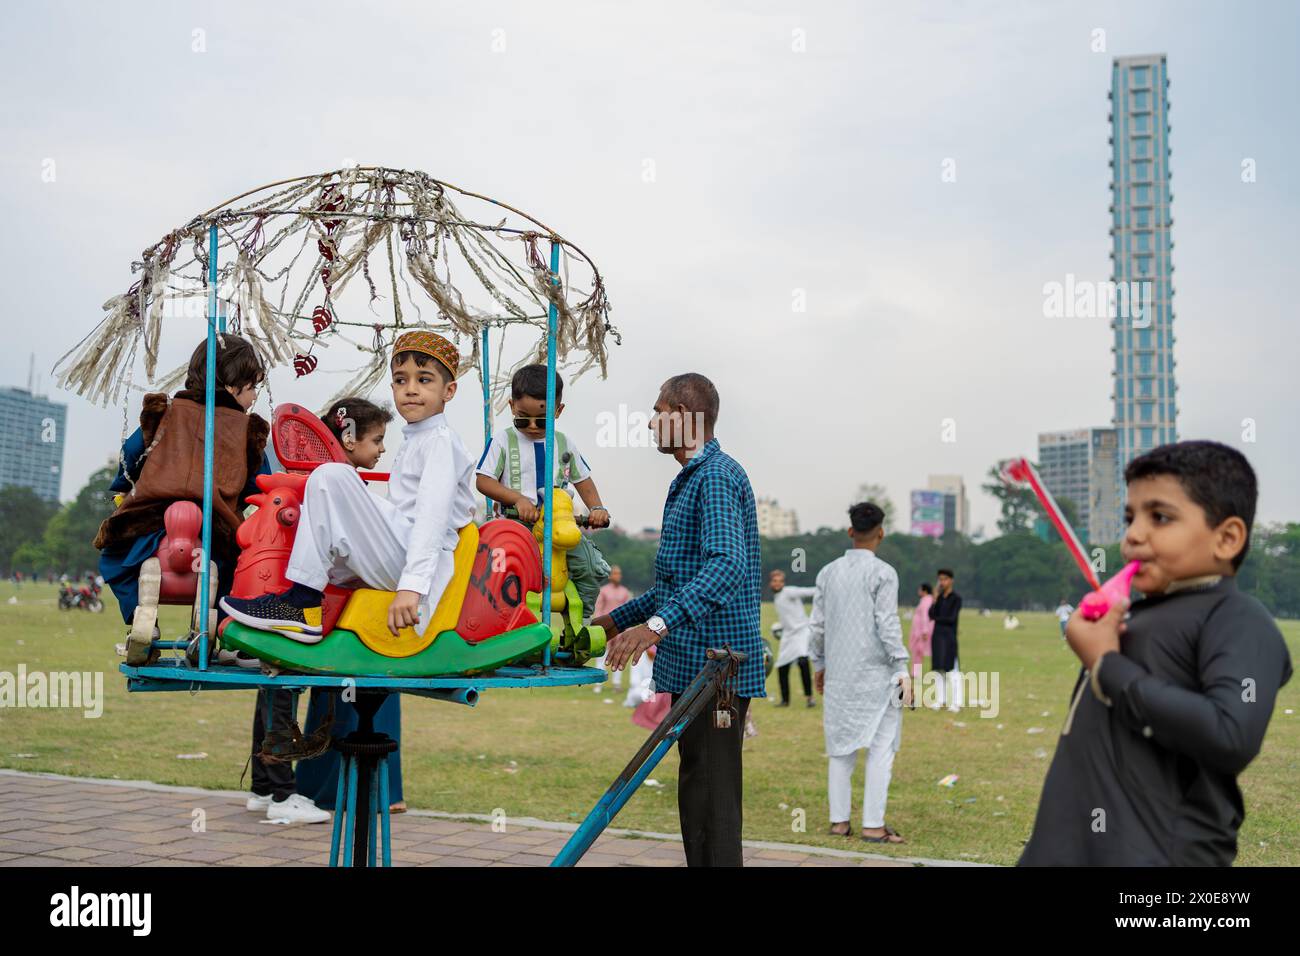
{"points": [[49, 820]]}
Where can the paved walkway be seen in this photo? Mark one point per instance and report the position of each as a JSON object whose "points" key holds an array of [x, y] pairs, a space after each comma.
{"points": [[51, 820]]}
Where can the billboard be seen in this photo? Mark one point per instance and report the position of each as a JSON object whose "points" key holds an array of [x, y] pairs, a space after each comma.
{"points": [[927, 513]]}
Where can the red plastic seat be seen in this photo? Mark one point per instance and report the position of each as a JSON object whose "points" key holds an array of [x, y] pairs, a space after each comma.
{"points": [[302, 441], [176, 554]]}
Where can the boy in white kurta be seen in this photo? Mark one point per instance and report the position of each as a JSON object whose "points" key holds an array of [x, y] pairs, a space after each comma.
{"points": [[856, 646], [404, 543]]}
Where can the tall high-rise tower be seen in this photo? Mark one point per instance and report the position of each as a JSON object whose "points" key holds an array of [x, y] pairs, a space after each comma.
{"points": [[1144, 391], [31, 442]]}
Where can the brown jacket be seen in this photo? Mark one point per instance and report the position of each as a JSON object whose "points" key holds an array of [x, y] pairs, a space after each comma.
{"points": [[173, 468]]}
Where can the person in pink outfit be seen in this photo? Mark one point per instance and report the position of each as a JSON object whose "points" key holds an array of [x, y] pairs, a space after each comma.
{"points": [[612, 594], [918, 641]]}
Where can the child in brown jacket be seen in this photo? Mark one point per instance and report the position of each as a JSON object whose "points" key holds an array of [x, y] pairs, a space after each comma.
{"points": [[162, 462]]}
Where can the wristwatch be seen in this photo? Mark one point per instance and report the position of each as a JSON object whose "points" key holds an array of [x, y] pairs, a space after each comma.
{"points": [[657, 625]]}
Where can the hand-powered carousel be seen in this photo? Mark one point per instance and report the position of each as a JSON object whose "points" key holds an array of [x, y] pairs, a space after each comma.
{"points": [[279, 266]]}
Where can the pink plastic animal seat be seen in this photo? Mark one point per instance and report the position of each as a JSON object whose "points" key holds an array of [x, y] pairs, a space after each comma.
{"points": [[183, 521]]}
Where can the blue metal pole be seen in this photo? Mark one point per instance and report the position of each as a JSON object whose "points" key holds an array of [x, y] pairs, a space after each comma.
{"points": [[350, 768], [549, 513], [689, 705], [485, 372], [209, 419], [339, 813], [613, 801], [386, 833], [373, 836]]}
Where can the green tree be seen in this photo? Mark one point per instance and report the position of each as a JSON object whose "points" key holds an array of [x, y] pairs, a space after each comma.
{"points": [[66, 545], [635, 557], [23, 517], [1019, 507], [1022, 571]]}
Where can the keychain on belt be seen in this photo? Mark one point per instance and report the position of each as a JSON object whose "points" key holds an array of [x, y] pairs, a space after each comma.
{"points": [[724, 711]]}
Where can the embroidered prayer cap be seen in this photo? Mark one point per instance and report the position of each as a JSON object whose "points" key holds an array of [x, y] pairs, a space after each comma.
{"points": [[431, 344]]}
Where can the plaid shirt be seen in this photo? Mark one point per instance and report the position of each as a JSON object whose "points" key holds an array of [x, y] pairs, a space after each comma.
{"points": [[707, 574]]}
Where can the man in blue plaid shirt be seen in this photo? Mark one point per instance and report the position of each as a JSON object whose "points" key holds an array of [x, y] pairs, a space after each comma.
{"points": [[706, 594]]}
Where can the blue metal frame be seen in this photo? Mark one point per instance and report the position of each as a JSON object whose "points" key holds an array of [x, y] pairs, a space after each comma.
{"points": [[548, 512], [176, 674], [209, 424]]}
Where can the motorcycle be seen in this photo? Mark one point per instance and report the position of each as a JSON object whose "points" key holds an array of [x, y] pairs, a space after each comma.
{"points": [[85, 597]]}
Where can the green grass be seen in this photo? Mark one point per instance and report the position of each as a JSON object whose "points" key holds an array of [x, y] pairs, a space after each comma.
{"points": [[551, 753]]}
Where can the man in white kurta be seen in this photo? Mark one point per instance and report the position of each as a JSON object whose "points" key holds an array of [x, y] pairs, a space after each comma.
{"points": [[856, 646], [787, 600]]}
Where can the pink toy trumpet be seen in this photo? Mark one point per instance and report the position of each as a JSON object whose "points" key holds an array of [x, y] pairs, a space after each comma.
{"points": [[1018, 471], [1095, 605]]}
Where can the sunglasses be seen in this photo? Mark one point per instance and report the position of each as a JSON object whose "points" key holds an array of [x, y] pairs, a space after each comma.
{"points": [[539, 422]]}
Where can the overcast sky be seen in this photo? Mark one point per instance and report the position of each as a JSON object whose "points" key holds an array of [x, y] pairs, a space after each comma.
{"points": [[797, 150]]}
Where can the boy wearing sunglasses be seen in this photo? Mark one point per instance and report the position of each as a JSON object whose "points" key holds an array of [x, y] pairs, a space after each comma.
{"points": [[512, 472]]}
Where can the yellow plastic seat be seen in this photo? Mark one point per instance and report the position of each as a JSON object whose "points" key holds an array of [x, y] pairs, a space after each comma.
{"points": [[366, 613]]}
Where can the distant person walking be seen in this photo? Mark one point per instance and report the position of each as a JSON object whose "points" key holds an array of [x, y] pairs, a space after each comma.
{"points": [[943, 643], [788, 602], [1063, 612]]}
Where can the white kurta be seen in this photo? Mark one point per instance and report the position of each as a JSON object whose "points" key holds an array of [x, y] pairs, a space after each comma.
{"points": [[855, 636], [404, 543], [432, 485], [794, 622]]}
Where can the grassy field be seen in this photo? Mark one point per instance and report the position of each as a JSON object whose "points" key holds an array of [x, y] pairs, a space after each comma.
{"points": [[551, 753]]}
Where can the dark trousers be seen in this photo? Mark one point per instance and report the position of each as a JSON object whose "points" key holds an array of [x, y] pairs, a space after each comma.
{"points": [[275, 778], [710, 788], [805, 675]]}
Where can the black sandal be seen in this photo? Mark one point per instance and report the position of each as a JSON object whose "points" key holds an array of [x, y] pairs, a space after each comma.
{"points": [[848, 829], [889, 836]]}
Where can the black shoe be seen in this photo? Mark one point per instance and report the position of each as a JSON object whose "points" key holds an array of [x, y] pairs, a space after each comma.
{"points": [[277, 613], [784, 703], [811, 702]]}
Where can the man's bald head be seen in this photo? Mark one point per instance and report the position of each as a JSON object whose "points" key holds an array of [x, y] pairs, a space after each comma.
{"points": [[696, 393]]}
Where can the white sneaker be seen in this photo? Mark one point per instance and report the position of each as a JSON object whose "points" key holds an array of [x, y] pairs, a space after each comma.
{"points": [[296, 809], [239, 659], [953, 708], [258, 804]]}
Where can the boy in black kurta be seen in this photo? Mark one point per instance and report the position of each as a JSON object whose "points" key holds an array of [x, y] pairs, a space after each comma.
{"points": [[1173, 700], [945, 611]]}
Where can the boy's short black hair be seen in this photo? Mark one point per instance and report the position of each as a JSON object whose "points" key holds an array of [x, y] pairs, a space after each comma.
{"points": [[866, 516], [1216, 477], [360, 414], [237, 364], [946, 572], [530, 382], [423, 360]]}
